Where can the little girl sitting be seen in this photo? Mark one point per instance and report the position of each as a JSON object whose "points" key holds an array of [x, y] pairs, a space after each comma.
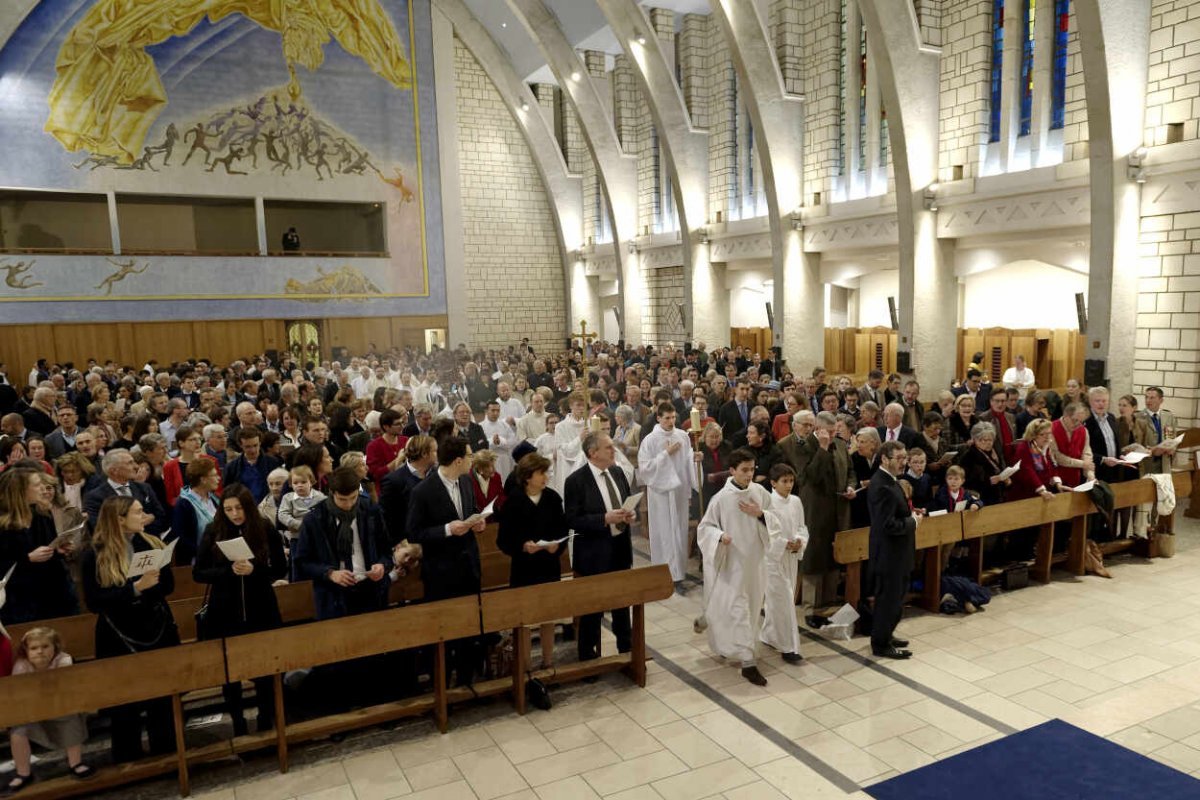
{"points": [[41, 649]]}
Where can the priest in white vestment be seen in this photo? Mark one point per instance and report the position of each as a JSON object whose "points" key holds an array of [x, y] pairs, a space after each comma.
{"points": [[667, 468], [501, 439], [733, 541], [788, 536]]}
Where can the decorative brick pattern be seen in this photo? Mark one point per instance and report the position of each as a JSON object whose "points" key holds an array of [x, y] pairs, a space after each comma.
{"points": [[1075, 129], [661, 321], [514, 271], [691, 50], [821, 60]]}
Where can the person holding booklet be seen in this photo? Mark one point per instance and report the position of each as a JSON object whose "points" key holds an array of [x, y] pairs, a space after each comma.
{"points": [[132, 615], [40, 585], [240, 557], [953, 495], [533, 531]]}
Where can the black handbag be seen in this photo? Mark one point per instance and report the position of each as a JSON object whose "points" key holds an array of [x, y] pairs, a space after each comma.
{"points": [[537, 694]]}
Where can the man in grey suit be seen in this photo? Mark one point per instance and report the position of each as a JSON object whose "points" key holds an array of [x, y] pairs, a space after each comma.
{"points": [[1162, 422]]}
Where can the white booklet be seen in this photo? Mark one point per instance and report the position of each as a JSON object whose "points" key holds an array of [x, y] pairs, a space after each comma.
{"points": [[4, 597], [480, 515], [1008, 473], [961, 505], [1133, 457], [236, 549], [71, 537], [150, 559], [1171, 444], [632, 501], [1084, 487], [548, 542]]}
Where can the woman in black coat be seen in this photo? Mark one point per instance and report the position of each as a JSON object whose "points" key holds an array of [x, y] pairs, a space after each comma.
{"points": [[40, 586], [533, 513], [241, 598], [715, 463], [132, 616], [983, 462]]}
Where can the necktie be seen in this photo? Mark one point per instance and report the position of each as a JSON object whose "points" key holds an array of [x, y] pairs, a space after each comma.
{"points": [[1157, 425], [891, 435], [456, 499], [123, 491], [742, 413], [613, 498]]}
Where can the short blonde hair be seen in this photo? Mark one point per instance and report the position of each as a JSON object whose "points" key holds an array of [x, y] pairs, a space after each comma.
{"points": [[303, 473], [352, 458]]}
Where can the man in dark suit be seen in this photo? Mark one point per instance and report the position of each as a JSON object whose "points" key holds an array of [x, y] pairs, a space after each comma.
{"points": [[468, 429], [422, 421], [118, 466], [592, 500], [872, 390], [797, 447], [62, 439], [974, 386], [396, 487], [253, 466], [39, 417], [734, 416], [437, 511], [892, 550], [1004, 423], [1102, 436], [343, 550], [894, 429], [914, 409]]}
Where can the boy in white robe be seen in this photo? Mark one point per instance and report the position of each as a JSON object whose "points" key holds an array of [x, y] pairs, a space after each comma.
{"points": [[788, 536], [667, 468], [568, 435], [733, 540]]}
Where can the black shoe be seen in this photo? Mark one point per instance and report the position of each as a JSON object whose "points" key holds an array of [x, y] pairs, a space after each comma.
{"points": [[754, 676], [81, 772], [680, 588], [816, 621], [899, 644], [892, 652], [17, 783], [792, 658]]}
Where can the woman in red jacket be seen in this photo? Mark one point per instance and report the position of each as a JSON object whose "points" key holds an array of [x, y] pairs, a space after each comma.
{"points": [[485, 480], [190, 445], [1036, 477]]}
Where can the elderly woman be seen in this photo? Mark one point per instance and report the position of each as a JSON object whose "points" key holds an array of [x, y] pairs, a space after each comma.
{"points": [[862, 459], [485, 481], [1038, 476], [628, 434], [961, 422], [945, 403], [983, 462], [715, 461]]}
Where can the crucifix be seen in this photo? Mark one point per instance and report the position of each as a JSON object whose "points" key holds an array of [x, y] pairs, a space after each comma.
{"points": [[585, 338]]}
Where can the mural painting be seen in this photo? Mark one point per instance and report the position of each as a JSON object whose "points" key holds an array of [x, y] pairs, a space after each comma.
{"points": [[275, 100]]}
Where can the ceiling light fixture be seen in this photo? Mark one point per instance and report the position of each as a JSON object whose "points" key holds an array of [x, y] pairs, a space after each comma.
{"points": [[575, 76]]}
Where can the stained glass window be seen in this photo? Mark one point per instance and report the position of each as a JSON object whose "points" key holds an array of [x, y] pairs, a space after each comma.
{"points": [[842, 98], [997, 63], [862, 96], [1027, 17], [1058, 68]]}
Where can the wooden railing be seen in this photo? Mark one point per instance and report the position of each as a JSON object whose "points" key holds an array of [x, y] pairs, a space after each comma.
{"points": [[202, 666], [851, 547]]}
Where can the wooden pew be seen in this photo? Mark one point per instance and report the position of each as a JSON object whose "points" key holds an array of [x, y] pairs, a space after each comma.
{"points": [[519, 608], [318, 643], [1031, 513], [852, 548], [170, 672]]}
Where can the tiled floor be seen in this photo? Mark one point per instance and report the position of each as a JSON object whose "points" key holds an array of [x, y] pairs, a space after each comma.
{"points": [[1120, 658]]}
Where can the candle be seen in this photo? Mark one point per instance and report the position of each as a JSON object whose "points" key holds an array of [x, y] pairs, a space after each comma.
{"points": [[695, 419], [597, 424]]}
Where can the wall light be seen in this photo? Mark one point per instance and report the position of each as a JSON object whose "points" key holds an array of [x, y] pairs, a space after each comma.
{"points": [[575, 76], [1134, 171], [641, 39], [524, 106], [931, 203]]}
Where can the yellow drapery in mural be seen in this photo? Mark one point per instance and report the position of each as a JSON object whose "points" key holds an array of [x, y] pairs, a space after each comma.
{"points": [[108, 93]]}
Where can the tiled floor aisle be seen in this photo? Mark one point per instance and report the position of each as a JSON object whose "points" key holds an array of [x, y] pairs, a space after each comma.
{"points": [[1120, 658]]}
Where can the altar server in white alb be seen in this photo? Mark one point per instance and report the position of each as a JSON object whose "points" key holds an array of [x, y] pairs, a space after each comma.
{"points": [[733, 540], [568, 436], [501, 438], [788, 536], [667, 468]]}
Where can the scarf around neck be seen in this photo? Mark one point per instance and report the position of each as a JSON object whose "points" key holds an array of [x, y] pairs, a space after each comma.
{"points": [[345, 536]]}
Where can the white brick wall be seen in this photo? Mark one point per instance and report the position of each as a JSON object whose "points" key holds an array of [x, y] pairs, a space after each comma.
{"points": [[1173, 88], [660, 313], [514, 272], [1168, 320], [965, 85]]}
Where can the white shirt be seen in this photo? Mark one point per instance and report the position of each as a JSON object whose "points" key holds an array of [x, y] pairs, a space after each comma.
{"points": [[512, 407], [1018, 379], [893, 434], [455, 496], [599, 474], [358, 561]]}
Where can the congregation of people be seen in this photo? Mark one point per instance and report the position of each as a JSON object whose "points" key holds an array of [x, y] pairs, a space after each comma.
{"points": [[352, 475]]}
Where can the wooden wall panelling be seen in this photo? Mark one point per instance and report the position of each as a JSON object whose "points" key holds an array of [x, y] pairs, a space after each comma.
{"points": [[126, 346], [78, 343], [972, 343], [1023, 343]]}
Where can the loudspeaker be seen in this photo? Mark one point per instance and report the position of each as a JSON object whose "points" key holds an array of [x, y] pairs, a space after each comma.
{"points": [[1081, 312], [903, 361], [1093, 372], [892, 313], [770, 316]]}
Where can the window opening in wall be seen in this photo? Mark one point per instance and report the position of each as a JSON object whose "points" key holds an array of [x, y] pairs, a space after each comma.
{"points": [[862, 96], [997, 64], [1174, 132], [173, 225], [879, 355], [734, 192], [327, 227], [1058, 72], [54, 222], [1027, 23], [656, 207], [842, 96], [883, 137]]}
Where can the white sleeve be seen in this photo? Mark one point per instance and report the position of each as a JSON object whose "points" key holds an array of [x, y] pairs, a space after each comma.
{"points": [[656, 471]]}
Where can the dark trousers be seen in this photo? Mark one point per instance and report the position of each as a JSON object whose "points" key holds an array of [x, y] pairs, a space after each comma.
{"points": [[589, 633], [463, 656], [264, 698], [890, 589], [127, 729]]}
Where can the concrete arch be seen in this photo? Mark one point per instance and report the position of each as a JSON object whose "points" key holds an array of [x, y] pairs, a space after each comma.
{"points": [[686, 151], [779, 121], [617, 172], [909, 73], [1114, 40], [562, 187]]}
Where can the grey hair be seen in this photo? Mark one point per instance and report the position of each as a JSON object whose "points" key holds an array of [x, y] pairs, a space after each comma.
{"points": [[983, 429], [111, 458]]}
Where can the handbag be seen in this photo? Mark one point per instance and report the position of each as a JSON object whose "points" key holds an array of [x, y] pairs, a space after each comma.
{"points": [[538, 694]]}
